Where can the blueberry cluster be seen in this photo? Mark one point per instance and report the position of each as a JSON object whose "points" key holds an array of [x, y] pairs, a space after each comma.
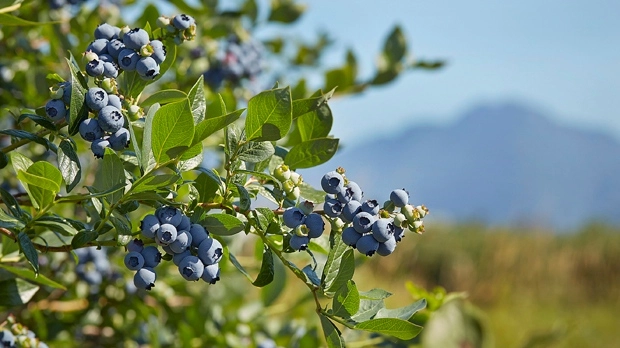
{"points": [[56, 4], [115, 50], [305, 224], [93, 265], [194, 252], [240, 60], [57, 108], [107, 129], [18, 335], [182, 27], [370, 229], [291, 181]]}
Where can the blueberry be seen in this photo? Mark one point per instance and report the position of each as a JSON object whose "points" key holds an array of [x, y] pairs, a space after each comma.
{"points": [[136, 38], [367, 245], [169, 215], [363, 221], [119, 140], [351, 191], [350, 210], [115, 101], [185, 224], [127, 59], [110, 69], [332, 208], [293, 217], [90, 130], [183, 241], [191, 268], [210, 251], [106, 58], [399, 197], [96, 98], [98, 147], [134, 260], [350, 236], [371, 206], [332, 182], [214, 76], [211, 273], [166, 234], [107, 31], [94, 68], [99, 46], [111, 119], [145, 278], [7, 338], [159, 51], [299, 243], [115, 47], [382, 229], [147, 68], [66, 92], [152, 256], [135, 245], [399, 233], [387, 247], [149, 226], [176, 258], [183, 21], [55, 109], [165, 248], [315, 225], [198, 234]]}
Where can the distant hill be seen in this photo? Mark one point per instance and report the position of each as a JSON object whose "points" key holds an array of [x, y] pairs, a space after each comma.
{"points": [[498, 164]]}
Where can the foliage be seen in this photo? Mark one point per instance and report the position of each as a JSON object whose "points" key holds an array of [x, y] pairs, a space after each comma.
{"points": [[67, 217]]}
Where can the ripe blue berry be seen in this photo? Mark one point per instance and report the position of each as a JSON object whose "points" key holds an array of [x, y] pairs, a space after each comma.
{"points": [[332, 207], [136, 38], [332, 182], [191, 268], [134, 260], [107, 31], [66, 92], [166, 234], [149, 226], [115, 101], [135, 245], [351, 191], [169, 215], [98, 147], [115, 47], [185, 224], [110, 119], [387, 247], [94, 68], [315, 225], [159, 51], [110, 69], [382, 230], [210, 251], [147, 68], [152, 256], [350, 210], [106, 58], [176, 258], [399, 197], [96, 98], [350, 236], [299, 243], [145, 278], [211, 274], [399, 233], [293, 217], [182, 21], [367, 245], [99, 46], [363, 221], [127, 59], [7, 339], [119, 140], [183, 241], [55, 109], [371, 206], [198, 234]]}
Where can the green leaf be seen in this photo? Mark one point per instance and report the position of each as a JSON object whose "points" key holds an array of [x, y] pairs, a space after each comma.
{"points": [[244, 198], [211, 125], [148, 161], [22, 134], [83, 238], [375, 294], [26, 247], [311, 153], [304, 106], [223, 224], [10, 20], [110, 175], [339, 267], [346, 300], [43, 180], [285, 11], [254, 152], [135, 145], [33, 277], [398, 328], [310, 193], [16, 292], [395, 46], [207, 186], [57, 226], [403, 313], [367, 310], [198, 100], [385, 76], [4, 160], [331, 332], [69, 164], [78, 110], [42, 121], [173, 130], [154, 182], [131, 84], [121, 224], [315, 124], [7, 221], [191, 159], [265, 276], [270, 293], [269, 115], [165, 96], [11, 203], [238, 266]]}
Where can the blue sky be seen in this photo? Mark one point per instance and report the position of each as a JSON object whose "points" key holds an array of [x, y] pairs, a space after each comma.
{"points": [[562, 57]]}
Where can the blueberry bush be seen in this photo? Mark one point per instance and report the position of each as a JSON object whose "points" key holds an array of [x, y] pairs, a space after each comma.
{"points": [[150, 181]]}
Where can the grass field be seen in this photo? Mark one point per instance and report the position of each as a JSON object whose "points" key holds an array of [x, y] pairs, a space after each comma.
{"points": [[537, 289]]}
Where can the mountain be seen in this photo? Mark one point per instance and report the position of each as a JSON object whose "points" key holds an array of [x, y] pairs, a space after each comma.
{"points": [[499, 164]]}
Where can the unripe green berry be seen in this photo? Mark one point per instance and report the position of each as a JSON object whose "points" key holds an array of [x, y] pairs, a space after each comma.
{"points": [[163, 22], [124, 30], [109, 85], [400, 220], [296, 178], [306, 207], [90, 56], [409, 212], [288, 186], [301, 230], [294, 194], [134, 112], [146, 50], [282, 173], [56, 92]]}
